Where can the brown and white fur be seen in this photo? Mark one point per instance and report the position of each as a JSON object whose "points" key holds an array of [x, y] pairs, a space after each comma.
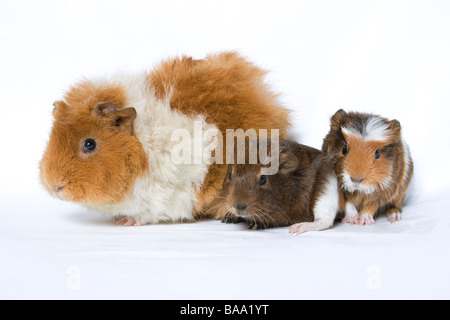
{"points": [[110, 145], [303, 193], [373, 165]]}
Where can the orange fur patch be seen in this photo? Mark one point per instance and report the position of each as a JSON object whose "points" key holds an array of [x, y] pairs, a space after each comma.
{"points": [[361, 162], [105, 176], [387, 178], [229, 92]]}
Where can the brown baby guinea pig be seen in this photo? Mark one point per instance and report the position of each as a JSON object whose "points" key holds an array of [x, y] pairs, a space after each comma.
{"points": [[373, 165], [303, 193]]}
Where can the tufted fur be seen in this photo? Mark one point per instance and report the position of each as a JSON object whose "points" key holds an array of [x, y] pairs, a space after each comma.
{"points": [[373, 165], [229, 92], [131, 174]]}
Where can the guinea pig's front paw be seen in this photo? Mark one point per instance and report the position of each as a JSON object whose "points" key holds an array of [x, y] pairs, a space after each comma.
{"points": [[255, 225], [128, 222], [363, 219], [298, 228], [231, 218], [351, 214]]}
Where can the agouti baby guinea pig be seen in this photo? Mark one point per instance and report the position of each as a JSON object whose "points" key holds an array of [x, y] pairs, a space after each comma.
{"points": [[303, 192], [373, 165]]}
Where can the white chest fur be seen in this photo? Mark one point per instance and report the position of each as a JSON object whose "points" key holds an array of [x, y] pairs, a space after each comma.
{"points": [[166, 191]]}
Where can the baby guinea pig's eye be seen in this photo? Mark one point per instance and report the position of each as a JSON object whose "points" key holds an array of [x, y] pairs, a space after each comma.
{"points": [[377, 154], [262, 180], [89, 146], [345, 150]]}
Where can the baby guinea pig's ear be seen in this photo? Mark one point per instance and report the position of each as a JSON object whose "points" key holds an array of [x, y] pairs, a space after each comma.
{"points": [[396, 129], [288, 160], [229, 175], [59, 108], [337, 119], [123, 118]]}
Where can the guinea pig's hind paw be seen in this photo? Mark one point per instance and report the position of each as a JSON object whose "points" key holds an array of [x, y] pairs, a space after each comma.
{"points": [[395, 217]]}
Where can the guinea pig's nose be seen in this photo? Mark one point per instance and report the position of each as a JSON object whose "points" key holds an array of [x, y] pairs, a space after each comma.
{"points": [[58, 188], [357, 181], [240, 206]]}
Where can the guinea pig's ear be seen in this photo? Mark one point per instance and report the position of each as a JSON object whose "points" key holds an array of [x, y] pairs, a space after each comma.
{"points": [[396, 129], [58, 108], [122, 118], [288, 160], [337, 118]]}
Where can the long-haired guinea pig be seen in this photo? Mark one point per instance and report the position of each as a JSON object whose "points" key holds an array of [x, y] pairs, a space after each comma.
{"points": [[303, 193], [373, 165], [111, 145]]}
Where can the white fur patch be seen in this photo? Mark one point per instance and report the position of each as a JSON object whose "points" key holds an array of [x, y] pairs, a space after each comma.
{"points": [[327, 206], [350, 211], [374, 130], [351, 187], [408, 162], [166, 191]]}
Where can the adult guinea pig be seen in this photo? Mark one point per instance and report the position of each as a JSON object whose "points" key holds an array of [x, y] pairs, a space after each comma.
{"points": [[111, 145], [303, 193], [373, 165]]}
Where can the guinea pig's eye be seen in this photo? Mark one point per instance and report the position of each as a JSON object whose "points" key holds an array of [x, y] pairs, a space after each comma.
{"points": [[262, 180], [377, 154], [89, 145], [345, 150]]}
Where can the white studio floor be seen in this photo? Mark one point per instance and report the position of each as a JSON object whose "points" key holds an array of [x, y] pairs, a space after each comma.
{"points": [[386, 57], [62, 252]]}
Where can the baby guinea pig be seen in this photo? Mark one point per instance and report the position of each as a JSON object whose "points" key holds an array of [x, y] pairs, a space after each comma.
{"points": [[373, 165], [303, 192]]}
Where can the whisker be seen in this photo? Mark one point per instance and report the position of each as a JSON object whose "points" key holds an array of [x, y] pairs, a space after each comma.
{"points": [[277, 209], [260, 219], [221, 210], [274, 221], [266, 215]]}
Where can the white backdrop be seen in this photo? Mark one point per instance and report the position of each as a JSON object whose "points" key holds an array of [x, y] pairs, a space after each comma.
{"points": [[388, 57]]}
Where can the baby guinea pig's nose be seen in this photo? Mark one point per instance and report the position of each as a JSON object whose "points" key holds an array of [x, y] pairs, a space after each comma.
{"points": [[357, 181], [240, 206]]}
